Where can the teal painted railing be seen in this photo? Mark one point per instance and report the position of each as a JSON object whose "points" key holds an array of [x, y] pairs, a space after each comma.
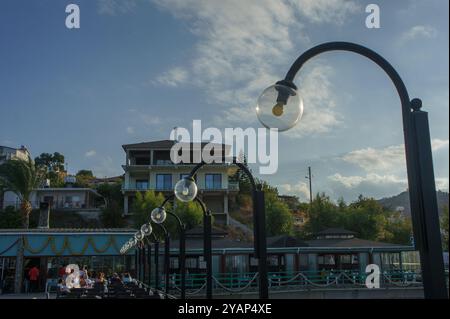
{"points": [[240, 282]]}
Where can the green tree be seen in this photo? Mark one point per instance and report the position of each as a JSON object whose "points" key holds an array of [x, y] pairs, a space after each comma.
{"points": [[397, 230], [53, 166], [21, 177], [190, 213], [84, 178], [366, 217], [11, 218], [323, 214], [143, 205], [279, 220], [111, 192], [444, 227], [111, 215]]}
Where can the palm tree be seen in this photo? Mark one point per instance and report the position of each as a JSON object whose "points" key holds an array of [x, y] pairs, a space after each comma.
{"points": [[20, 177]]}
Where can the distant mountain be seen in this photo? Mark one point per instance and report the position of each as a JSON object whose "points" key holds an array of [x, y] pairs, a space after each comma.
{"points": [[402, 200]]}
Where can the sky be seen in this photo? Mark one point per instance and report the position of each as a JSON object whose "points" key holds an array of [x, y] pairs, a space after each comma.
{"points": [[137, 68]]}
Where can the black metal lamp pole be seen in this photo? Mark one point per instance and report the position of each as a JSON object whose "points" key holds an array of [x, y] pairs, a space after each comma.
{"points": [[137, 262], [421, 181], [259, 229], [207, 245], [182, 248], [149, 262], [156, 261], [166, 259]]}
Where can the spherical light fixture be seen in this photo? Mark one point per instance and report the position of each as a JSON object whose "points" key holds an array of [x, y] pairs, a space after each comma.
{"points": [[158, 215], [279, 107], [186, 189], [146, 229], [138, 236]]}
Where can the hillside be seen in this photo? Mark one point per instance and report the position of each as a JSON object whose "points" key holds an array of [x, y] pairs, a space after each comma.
{"points": [[402, 200]]}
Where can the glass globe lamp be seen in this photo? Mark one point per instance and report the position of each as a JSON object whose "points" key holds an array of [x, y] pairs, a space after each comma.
{"points": [[146, 229], [279, 107], [138, 236], [158, 215], [186, 189]]}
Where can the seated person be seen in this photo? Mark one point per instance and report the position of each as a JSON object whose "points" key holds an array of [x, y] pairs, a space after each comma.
{"points": [[62, 288]]}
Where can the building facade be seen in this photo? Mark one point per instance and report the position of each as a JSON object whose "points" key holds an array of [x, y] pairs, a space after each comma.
{"points": [[148, 167]]}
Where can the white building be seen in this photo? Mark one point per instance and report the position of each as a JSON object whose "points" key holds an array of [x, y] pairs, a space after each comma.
{"points": [[148, 167]]}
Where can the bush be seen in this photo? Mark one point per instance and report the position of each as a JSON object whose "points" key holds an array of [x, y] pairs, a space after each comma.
{"points": [[10, 218]]}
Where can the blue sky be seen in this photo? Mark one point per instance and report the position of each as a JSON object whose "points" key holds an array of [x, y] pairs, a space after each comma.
{"points": [[135, 69]]}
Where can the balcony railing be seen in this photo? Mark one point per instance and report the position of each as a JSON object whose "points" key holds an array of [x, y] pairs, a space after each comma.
{"points": [[78, 205], [232, 186]]}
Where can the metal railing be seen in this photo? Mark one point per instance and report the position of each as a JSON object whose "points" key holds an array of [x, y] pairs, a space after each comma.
{"points": [[285, 281], [55, 205]]}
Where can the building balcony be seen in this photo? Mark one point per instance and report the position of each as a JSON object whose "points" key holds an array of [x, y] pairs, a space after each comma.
{"points": [[60, 205], [232, 187]]}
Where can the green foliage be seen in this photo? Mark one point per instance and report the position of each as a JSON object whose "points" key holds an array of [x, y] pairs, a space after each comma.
{"points": [[365, 216], [143, 205], [53, 167], [323, 214], [10, 218], [111, 192], [444, 227], [84, 178], [190, 213], [21, 177], [279, 220], [111, 216]]}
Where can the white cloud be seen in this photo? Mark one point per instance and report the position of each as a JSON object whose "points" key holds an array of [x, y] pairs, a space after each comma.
{"points": [[372, 178], [130, 130], [173, 77], [442, 183], [437, 144], [388, 160], [300, 189], [371, 184], [375, 160], [243, 45], [326, 11], [384, 171], [419, 31], [115, 7], [90, 153]]}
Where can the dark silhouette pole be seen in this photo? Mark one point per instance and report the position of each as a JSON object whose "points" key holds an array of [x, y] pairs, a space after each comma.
{"points": [[149, 262], [419, 164], [259, 228], [207, 246], [166, 260], [156, 260], [182, 248], [309, 177], [136, 262]]}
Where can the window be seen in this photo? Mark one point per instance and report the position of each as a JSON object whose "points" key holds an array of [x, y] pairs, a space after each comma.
{"points": [[213, 181], [164, 181], [141, 184]]}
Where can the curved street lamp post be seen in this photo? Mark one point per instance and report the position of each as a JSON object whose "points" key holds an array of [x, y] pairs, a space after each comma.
{"points": [[186, 190], [158, 216], [280, 107]]}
